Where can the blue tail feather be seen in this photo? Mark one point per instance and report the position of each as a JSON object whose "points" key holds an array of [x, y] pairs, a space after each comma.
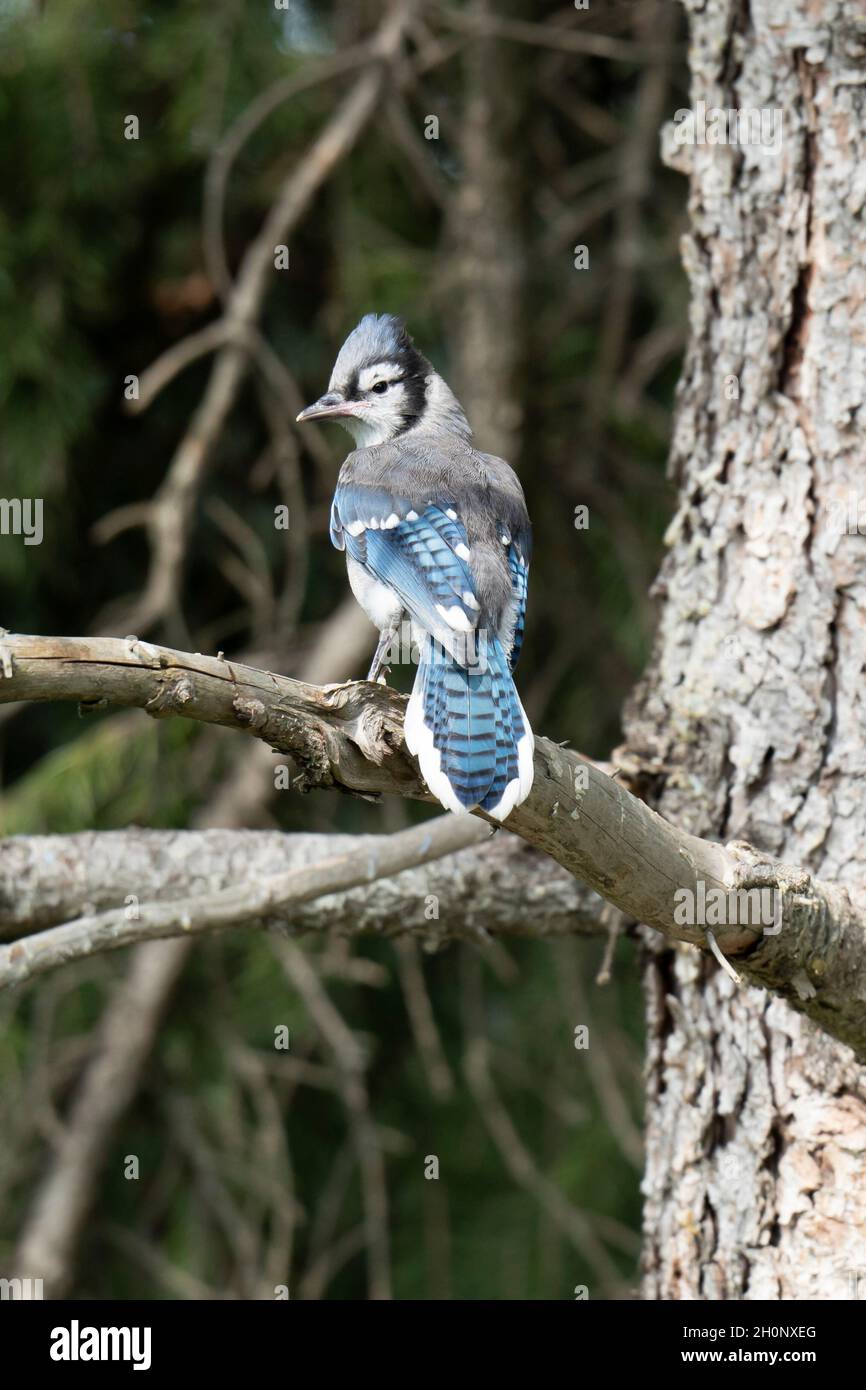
{"points": [[469, 731]]}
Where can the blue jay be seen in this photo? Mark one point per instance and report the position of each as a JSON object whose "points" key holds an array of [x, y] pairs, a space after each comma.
{"points": [[436, 531]]}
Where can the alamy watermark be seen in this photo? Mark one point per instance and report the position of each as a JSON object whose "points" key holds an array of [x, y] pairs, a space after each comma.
{"points": [[718, 125], [77, 1343], [729, 907], [469, 648], [847, 515], [15, 1290], [22, 516]]}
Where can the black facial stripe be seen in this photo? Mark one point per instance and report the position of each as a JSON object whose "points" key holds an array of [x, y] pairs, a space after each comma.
{"points": [[414, 401], [416, 369], [352, 392]]}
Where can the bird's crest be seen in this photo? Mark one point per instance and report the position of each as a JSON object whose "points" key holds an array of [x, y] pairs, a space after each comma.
{"points": [[377, 338]]}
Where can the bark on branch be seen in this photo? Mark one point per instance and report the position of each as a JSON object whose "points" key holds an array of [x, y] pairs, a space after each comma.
{"points": [[351, 737], [499, 886]]}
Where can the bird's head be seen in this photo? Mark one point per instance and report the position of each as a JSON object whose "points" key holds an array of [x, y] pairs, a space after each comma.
{"points": [[382, 386]]}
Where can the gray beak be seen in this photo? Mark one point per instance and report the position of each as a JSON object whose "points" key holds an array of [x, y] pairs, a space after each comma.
{"points": [[331, 406]]}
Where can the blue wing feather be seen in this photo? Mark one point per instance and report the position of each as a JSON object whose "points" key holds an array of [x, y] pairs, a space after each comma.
{"points": [[416, 559], [518, 564]]}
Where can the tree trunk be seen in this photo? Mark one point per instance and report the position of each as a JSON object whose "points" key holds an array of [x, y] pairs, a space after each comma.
{"points": [[485, 263], [751, 722]]}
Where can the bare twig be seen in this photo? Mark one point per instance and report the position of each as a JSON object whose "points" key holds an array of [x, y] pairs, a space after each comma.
{"points": [[251, 901], [513, 891], [350, 1063], [601, 1072], [248, 122], [575, 1225], [407, 139], [177, 358], [549, 36], [174, 502], [423, 1020], [124, 1038], [284, 455], [331, 1261]]}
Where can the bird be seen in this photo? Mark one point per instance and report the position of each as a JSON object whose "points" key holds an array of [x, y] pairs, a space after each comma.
{"points": [[436, 532]]}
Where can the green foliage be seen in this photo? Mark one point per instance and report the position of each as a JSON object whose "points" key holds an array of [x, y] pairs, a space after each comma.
{"points": [[121, 773]]}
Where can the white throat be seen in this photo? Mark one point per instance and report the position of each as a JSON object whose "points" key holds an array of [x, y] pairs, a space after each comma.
{"points": [[368, 433]]}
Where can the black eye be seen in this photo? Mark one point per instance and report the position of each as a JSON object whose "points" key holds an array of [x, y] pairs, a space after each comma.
{"points": [[380, 386]]}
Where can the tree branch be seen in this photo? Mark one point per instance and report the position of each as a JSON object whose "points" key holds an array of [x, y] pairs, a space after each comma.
{"points": [[499, 885], [242, 903], [351, 737]]}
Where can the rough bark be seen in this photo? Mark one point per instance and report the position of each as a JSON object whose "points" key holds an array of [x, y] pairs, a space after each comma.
{"points": [[752, 720]]}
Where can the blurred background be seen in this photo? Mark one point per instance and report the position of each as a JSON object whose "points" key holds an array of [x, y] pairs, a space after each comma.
{"points": [[502, 190]]}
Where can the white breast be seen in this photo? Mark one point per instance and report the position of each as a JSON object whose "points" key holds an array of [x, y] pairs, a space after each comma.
{"points": [[380, 603]]}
